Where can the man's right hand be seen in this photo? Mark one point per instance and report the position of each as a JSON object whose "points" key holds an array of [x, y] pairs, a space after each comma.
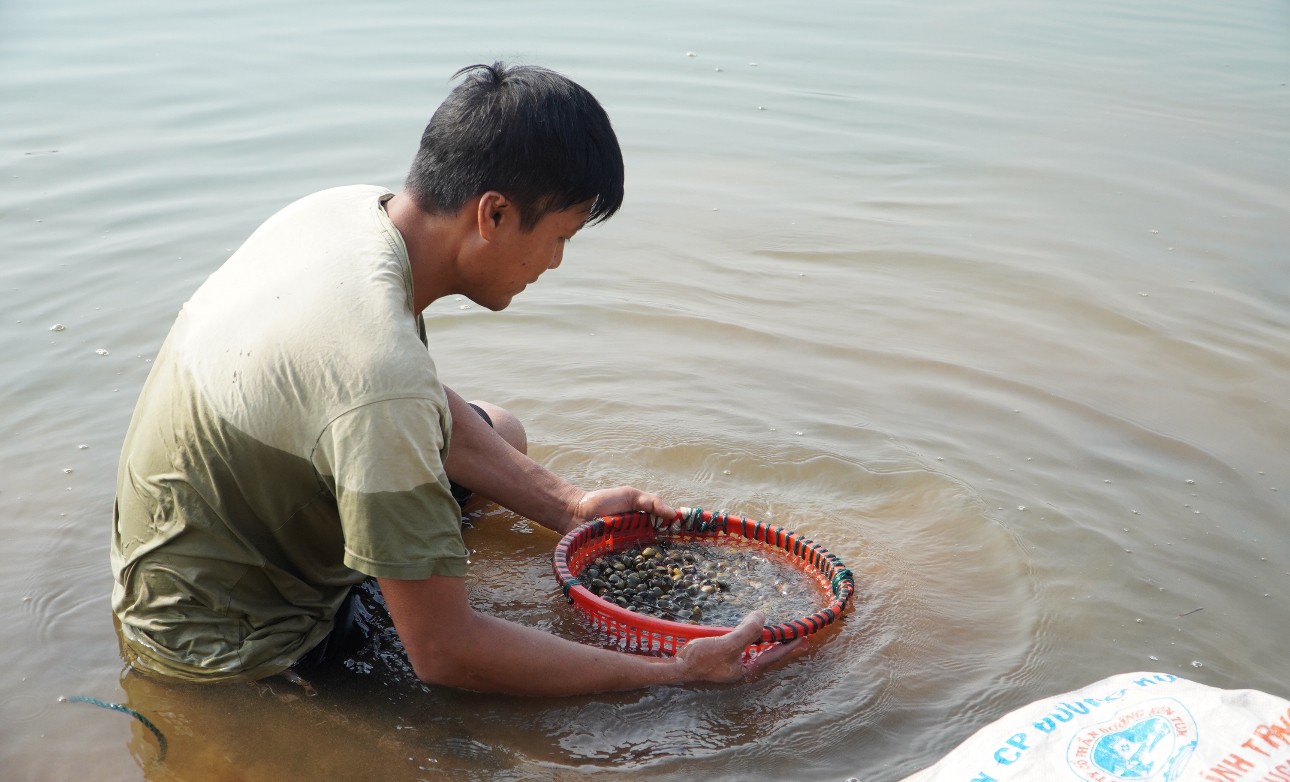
{"points": [[721, 658]]}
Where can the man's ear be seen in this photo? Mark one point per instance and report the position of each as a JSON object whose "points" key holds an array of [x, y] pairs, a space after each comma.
{"points": [[491, 209]]}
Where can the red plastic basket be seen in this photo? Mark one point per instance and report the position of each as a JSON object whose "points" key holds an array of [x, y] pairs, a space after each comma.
{"points": [[639, 632]]}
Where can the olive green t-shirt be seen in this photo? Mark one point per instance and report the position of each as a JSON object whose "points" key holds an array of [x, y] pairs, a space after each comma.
{"points": [[289, 440]]}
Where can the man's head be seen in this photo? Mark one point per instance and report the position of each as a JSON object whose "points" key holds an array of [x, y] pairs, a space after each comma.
{"points": [[523, 131]]}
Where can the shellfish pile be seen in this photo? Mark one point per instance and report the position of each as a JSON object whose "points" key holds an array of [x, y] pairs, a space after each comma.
{"points": [[702, 583]]}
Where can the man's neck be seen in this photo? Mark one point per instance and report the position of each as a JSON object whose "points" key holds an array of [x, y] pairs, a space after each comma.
{"points": [[433, 243]]}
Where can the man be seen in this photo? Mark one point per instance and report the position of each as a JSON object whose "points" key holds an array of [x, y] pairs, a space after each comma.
{"points": [[293, 437]]}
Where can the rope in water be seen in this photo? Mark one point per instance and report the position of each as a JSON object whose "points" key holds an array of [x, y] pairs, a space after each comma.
{"points": [[147, 723]]}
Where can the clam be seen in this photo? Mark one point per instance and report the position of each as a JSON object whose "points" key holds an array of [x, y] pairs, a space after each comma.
{"points": [[690, 582]]}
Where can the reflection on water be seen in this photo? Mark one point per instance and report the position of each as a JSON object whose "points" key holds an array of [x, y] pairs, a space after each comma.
{"points": [[991, 301]]}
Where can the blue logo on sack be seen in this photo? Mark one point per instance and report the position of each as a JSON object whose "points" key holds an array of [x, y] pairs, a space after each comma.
{"points": [[1151, 741]]}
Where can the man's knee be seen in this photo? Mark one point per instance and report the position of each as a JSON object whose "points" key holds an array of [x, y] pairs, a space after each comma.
{"points": [[506, 424]]}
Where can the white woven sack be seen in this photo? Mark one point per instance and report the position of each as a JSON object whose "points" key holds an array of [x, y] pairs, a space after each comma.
{"points": [[1135, 726]]}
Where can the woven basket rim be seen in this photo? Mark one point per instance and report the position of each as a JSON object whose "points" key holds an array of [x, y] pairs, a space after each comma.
{"points": [[696, 523]]}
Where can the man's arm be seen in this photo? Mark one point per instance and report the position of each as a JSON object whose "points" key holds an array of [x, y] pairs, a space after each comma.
{"points": [[480, 460], [450, 644]]}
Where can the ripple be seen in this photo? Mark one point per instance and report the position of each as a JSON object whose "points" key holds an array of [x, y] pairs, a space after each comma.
{"points": [[935, 577], [21, 708]]}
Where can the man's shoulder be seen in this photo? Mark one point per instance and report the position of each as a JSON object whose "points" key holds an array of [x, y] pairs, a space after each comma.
{"points": [[332, 203], [345, 194]]}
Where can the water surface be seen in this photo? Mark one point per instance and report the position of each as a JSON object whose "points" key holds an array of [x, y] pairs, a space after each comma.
{"points": [[992, 300]]}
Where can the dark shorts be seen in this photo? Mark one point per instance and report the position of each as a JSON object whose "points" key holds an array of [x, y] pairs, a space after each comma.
{"points": [[363, 609], [360, 614]]}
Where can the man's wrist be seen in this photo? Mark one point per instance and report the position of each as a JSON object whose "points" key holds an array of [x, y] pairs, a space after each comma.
{"points": [[667, 670], [576, 508]]}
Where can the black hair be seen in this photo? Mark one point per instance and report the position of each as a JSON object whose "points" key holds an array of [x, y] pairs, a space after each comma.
{"points": [[529, 133]]}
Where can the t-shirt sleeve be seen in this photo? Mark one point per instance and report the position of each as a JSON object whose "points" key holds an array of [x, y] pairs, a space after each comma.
{"points": [[384, 463]]}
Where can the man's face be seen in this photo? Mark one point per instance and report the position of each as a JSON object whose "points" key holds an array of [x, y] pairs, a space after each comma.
{"points": [[516, 258]]}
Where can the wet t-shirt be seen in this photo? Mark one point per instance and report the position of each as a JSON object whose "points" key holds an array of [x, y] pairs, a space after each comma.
{"points": [[289, 441]]}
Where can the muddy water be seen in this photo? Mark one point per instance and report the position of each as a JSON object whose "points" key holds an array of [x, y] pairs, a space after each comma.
{"points": [[991, 300]]}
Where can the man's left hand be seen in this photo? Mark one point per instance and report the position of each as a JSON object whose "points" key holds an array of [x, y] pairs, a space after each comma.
{"points": [[620, 499]]}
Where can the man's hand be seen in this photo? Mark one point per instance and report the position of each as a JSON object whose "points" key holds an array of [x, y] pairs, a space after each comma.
{"points": [[620, 499], [720, 658]]}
